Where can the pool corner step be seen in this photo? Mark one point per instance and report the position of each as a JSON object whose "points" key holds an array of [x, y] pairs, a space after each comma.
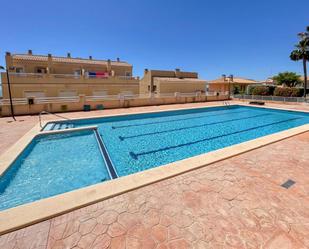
{"points": [[49, 127], [58, 126]]}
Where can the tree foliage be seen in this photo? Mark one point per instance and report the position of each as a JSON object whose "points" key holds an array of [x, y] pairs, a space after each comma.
{"points": [[302, 53], [289, 79]]}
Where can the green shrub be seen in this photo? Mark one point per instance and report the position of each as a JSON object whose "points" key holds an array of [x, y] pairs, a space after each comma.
{"points": [[236, 90], [288, 92], [275, 91], [261, 90], [283, 91], [242, 92], [250, 89], [297, 92], [271, 89]]}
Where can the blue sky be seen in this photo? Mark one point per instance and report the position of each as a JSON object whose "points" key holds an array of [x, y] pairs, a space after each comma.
{"points": [[252, 38]]}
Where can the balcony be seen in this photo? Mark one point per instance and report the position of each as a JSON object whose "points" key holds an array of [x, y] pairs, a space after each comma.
{"points": [[69, 76]]}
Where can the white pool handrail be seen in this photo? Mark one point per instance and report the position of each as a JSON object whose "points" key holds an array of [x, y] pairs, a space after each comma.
{"points": [[46, 112], [226, 103]]}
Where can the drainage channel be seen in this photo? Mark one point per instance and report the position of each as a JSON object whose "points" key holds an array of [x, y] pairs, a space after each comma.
{"points": [[110, 166]]}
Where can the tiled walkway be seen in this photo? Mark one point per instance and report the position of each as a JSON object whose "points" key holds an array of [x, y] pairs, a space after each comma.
{"points": [[236, 203]]}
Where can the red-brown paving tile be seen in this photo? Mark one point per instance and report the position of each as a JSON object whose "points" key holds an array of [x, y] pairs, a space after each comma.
{"points": [[87, 226], [102, 241], [159, 233], [116, 230], [118, 242], [34, 236]]}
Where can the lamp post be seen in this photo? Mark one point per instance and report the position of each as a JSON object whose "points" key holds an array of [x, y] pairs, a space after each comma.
{"points": [[9, 88], [229, 79]]}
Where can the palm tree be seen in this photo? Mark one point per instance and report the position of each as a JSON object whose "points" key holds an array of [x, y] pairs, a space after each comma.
{"points": [[302, 53]]}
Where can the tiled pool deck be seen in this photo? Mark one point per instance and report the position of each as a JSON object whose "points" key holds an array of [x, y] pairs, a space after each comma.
{"points": [[236, 203]]}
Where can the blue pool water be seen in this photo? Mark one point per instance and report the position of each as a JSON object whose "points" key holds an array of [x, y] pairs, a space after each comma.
{"points": [[52, 165], [140, 142], [55, 164]]}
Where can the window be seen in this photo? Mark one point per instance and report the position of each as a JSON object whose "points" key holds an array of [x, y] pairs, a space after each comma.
{"points": [[67, 93], [128, 74], [77, 72], [127, 93], [19, 70], [41, 70], [36, 94], [99, 93]]}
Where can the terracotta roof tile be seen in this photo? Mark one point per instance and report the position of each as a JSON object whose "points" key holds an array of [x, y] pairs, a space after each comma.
{"points": [[26, 57], [193, 80], [237, 80]]}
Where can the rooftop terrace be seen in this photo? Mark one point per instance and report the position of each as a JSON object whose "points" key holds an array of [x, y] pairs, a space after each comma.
{"points": [[44, 58]]}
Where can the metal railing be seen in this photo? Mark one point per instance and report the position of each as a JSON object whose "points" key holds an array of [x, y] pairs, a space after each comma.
{"points": [[32, 75], [47, 100], [15, 101], [121, 96], [72, 76], [46, 112], [226, 103], [271, 98]]}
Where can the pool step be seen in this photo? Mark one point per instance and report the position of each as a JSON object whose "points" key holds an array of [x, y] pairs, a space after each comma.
{"points": [[58, 126], [110, 166], [66, 126], [49, 127]]}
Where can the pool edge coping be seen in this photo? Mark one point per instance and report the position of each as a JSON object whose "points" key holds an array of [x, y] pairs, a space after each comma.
{"points": [[237, 103], [37, 211]]}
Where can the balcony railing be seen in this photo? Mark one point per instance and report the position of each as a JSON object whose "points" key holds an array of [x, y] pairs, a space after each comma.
{"points": [[16, 101], [46, 100], [120, 97], [71, 76]]}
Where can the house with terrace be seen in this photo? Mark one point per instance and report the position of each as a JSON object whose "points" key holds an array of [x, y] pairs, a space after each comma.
{"points": [[35, 83], [224, 83], [45, 82], [164, 82]]}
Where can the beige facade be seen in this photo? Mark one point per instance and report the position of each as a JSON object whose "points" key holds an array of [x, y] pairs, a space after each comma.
{"points": [[50, 76], [223, 84], [161, 81], [58, 84]]}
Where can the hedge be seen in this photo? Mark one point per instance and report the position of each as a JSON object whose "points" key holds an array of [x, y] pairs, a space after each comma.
{"points": [[288, 92], [297, 92], [261, 90], [275, 91]]}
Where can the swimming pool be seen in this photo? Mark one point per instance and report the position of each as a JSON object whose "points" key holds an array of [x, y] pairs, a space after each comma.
{"points": [[53, 164], [123, 145]]}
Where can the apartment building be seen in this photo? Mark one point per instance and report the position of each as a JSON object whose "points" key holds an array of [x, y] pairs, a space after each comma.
{"points": [[53, 76], [166, 82], [54, 83], [57, 84]]}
